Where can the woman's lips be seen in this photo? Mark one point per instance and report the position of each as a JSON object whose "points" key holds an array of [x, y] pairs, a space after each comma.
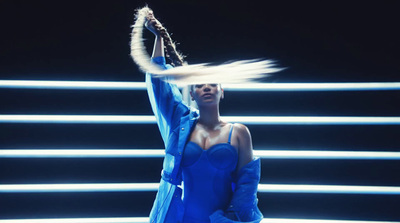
{"points": [[207, 94]]}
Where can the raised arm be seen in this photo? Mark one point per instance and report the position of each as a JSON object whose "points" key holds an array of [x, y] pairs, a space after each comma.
{"points": [[165, 98], [153, 25]]}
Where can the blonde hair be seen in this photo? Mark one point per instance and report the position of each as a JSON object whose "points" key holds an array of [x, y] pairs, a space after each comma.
{"points": [[243, 71]]}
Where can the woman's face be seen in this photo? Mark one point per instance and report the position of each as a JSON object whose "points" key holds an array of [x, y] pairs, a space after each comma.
{"points": [[207, 94]]}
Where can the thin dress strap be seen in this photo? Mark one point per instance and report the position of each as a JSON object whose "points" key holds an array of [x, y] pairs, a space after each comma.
{"points": [[230, 134]]}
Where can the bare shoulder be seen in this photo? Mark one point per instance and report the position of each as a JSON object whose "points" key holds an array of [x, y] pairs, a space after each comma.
{"points": [[245, 148], [242, 130], [243, 136]]}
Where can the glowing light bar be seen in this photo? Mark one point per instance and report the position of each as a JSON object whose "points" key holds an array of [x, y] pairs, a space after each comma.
{"points": [[81, 153], [252, 120], [80, 220], [329, 189], [103, 85], [310, 154], [55, 188], [83, 119], [85, 85], [313, 86], [146, 220], [130, 187], [288, 220], [312, 120], [154, 153]]}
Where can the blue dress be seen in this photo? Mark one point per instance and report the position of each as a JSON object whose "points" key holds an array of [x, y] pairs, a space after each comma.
{"points": [[207, 179], [175, 121]]}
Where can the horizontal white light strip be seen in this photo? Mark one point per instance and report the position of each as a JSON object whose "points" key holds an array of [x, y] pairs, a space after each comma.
{"points": [[123, 187], [288, 220], [106, 187], [313, 86], [255, 120], [103, 85], [151, 153], [329, 189], [88, 85], [310, 154], [94, 119], [312, 120], [81, 153], [146, 220], [83, 220]]}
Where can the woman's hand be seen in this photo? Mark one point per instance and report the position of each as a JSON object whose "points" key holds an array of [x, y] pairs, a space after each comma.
{"points": [[152, 24]]}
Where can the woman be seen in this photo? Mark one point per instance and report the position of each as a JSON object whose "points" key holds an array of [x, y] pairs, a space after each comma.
{"points": [[214, 158]]}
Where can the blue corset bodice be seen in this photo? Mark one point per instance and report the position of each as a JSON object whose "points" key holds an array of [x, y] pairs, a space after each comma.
{"points": [[207, 178]]}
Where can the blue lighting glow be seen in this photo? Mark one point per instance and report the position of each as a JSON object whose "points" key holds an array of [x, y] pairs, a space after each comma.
{"points": [[82, 153], [327, 189], [103, 85], [83, 85], [146, 220], [132, 187], [252, 120], [159, 153]]}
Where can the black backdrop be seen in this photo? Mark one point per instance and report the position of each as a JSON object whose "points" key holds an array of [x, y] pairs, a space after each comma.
{"points": [[317, 41]]}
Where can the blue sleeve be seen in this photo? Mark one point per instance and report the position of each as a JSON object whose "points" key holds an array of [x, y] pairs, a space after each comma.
{"points": [[165, 99], [243, 206]]}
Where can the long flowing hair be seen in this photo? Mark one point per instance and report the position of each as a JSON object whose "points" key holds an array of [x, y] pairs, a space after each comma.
{"points": [[242, 71]]}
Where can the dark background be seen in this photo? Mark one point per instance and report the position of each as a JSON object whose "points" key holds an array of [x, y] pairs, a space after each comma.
{"points": [[317, 41], [88, 40]]}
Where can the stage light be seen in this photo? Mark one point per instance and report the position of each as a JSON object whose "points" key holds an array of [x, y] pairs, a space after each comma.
{"points": [[159, 153], [103, 85], [251, 120], [146, 220], [134, 187]]}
